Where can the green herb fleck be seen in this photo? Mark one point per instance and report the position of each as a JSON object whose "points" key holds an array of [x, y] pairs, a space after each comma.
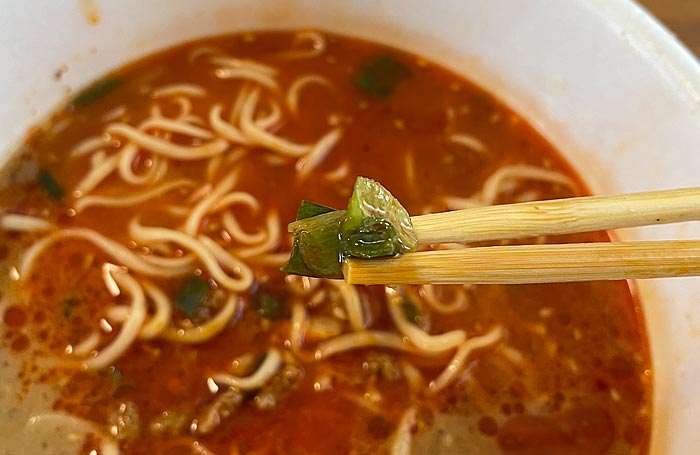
{"points": [[69, 305], [191, 295], [96, 91], [411, 311], [270, 306], [380, 76], [50, 185]]}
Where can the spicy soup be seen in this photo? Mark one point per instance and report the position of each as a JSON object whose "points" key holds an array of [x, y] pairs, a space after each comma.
{"points": [[143, 231]]}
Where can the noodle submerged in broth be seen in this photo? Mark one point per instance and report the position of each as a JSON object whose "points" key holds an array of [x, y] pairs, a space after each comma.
{"points": [[144, 228]]}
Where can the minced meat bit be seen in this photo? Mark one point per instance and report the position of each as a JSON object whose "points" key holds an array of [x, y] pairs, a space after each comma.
{"points": [[223, 407], [284, 381], [382, 366]]}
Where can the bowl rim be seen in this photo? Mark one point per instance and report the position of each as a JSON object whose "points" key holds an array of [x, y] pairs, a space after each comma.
{"points": [[650, 37], [654, 42]]}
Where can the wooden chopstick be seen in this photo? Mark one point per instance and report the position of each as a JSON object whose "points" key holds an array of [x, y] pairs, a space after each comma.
{"points": [[521, 264], [560, 216]]}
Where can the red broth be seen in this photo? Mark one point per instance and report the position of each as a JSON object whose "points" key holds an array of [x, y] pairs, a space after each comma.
{"points": [[570, 376]]}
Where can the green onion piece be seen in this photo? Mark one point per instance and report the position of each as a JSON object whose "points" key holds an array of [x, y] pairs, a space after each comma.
{"points": [[270, 306], [191, 295], [318, 243], [314, 223], [316, 249], [295, 265], [372, 201], [320, 252], [308, 209], [374, 238], [50, 185], [96, 90], [411, 311], [69, 305], [374, 225], [380, 76]]}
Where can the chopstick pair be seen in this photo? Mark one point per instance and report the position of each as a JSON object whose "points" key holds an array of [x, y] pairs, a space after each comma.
{"points": [[520, 264]]}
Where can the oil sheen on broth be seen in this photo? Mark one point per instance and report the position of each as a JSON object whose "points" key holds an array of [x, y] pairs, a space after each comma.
{"points": [[143, 230]]}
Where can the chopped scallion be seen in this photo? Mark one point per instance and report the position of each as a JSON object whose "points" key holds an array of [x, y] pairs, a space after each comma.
{"points": [[50, 185], [316, 250], [374, 238], [69, 305], [191, 295], [411, 311], [370, 201], [270, 306], [374, 225], [308, 209], [295, 265], [96, 90], [380, 76]]}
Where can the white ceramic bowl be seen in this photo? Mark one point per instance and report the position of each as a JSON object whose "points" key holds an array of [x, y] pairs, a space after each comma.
{"points": [[601, 79]]}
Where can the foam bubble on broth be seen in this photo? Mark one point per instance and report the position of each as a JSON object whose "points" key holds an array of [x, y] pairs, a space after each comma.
{"points": [[144, 305]]}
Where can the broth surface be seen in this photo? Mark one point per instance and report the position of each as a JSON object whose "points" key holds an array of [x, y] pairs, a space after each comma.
{"points": [[571, 374]]}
